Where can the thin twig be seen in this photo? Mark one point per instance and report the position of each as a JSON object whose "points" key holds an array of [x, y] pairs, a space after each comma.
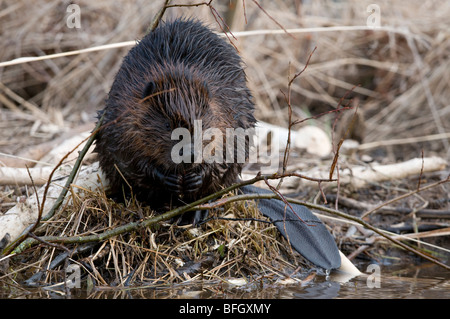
{"points": [[404, 196], [281, 197], [271, 18], [290, 123], [421, 172], [336, 149], [158, 17], [38, 220], [402, 141], [216, 16]]}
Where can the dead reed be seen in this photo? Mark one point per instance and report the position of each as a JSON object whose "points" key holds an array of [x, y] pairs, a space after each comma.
{"points": [[401, 72]]}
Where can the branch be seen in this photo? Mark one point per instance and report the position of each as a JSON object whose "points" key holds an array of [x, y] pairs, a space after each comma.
{"points": [[290, 123], [404, 196], [330, 211], [146, 222], [61, 196], [158, 17], [133, 226], [360, 176]]}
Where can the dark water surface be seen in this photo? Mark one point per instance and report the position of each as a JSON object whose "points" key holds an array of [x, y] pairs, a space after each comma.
{"points": [[427, 281]]}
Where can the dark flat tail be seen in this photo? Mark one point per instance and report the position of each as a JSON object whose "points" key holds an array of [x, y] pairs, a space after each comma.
{"points": [[304, 230]]}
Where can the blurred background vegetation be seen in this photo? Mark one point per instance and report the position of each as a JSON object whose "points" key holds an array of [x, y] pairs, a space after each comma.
{"points": [[401, 71]]}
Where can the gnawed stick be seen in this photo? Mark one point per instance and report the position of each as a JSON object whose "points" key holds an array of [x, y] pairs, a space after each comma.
{"points": [[361, 176]]}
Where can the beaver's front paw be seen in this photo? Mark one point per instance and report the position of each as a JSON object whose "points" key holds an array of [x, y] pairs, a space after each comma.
{"points": [[171, 182], [192, 182]]}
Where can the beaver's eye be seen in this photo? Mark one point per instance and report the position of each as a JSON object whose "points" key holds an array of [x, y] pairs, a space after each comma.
{"points": [[149, 89], [167, 125]]}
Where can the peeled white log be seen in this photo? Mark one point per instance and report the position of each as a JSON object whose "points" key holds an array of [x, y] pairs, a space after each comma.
{"points": [[40, 173], [24, 214], [19, 176], [310, 138], [360, 176]]}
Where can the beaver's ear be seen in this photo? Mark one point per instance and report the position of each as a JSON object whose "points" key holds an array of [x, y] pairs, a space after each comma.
{"points": [[149, 89]]}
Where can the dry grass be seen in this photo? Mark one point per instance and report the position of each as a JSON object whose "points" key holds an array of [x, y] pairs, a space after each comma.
{"points": [[224, 248], [403, 77]]}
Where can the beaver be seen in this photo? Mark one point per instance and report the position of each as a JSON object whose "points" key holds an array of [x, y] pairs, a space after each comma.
{"points": [[178, 74], [184, 76]]}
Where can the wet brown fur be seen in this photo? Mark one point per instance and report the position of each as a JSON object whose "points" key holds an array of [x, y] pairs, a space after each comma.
{"points": [[179, 73]]}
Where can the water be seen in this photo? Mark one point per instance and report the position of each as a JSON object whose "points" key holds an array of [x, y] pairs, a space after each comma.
{"points": [[400, 282]]}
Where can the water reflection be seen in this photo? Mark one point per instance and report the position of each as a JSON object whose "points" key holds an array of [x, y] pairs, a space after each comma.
{"points": [[426, 281]]}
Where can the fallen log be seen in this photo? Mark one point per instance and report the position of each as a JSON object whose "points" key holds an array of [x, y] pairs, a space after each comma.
{"points": [[25, 213]]}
